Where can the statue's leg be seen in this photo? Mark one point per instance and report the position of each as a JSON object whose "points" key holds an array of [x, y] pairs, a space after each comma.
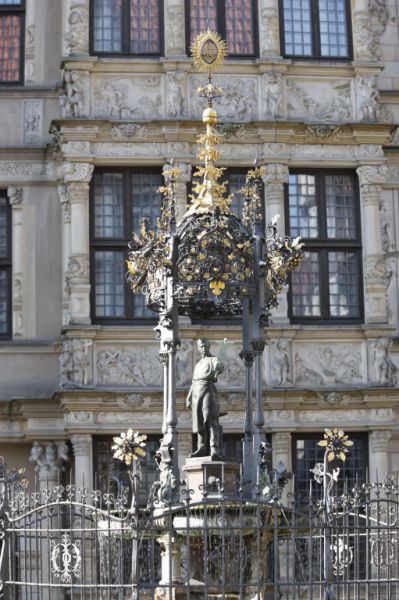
{"points": [[214, 439], [201, 446]]}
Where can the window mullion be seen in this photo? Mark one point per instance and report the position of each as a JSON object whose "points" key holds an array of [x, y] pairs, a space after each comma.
{"points": [[126, 42], [315, 28], [324, 284], [128, 208], [221, 17]]}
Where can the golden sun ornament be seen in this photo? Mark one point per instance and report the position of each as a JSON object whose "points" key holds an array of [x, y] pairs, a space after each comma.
{"points": [[336, 444], [209, 51]]}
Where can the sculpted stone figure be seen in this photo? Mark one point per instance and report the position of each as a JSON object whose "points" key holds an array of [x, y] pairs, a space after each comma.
{"points": [[202, 398]]}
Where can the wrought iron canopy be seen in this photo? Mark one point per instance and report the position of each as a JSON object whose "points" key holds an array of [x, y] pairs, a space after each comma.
{"points": [[215, 258]]}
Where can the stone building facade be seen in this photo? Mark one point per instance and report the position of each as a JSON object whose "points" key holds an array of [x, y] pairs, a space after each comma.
{"points": [[82, 124]]}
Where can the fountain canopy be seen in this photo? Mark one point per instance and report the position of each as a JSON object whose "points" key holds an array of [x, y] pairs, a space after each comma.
{"points": [[212, 254]]}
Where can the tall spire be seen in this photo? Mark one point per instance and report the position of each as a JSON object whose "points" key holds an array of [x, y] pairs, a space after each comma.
{"points": [[209, 51]]}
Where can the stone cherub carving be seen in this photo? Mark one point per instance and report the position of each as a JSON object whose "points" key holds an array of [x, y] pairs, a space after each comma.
{"points": [[202, 398], [385, 370]]}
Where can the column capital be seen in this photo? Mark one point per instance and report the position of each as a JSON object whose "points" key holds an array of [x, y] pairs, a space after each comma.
{"points": [[276, 173], [281, 442], [372, 174], [15, 195], [49, 458], [82, 444], [77, 172], [185, 171], [379, 440]]}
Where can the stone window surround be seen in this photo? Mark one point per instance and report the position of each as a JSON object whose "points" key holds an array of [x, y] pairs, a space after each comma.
{"points": [[6, 265]]}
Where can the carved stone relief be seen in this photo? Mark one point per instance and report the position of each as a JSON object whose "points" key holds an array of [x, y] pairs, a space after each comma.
{"points": [[128, 131], [30, 54], [184, 363], [281, 362], [306, 100], [128, 149], [76, 172], [33, 170], [134, 401], [238, 103], [273, 103], [74, 97], [368, 29], [234, 372], [77, 38], [175, 94], [129, 367], [33, 122], [136, 99], [367, 97], [328, 365], [78, 269], [231, 131], [323, 133], [174, 31], [15, 194], [384, 371], [270, 39], [75, 363], [49, 457], [330, 399]]}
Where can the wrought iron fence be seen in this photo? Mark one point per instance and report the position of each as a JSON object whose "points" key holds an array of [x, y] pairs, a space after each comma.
{"points": [[68, 543]]}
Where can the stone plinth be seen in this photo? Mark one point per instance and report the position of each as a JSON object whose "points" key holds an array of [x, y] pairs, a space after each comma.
{"points": [[208, 475]]}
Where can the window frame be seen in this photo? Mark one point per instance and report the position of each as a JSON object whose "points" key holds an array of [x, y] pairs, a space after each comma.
{"points": [[20, 10], [315, 34], [126, 35], [116, 244], [321, 245], [6, 265], [221, 28]]}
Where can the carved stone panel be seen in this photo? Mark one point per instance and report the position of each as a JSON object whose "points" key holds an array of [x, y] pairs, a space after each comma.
{"points": [[239, 101], [129, 365], [33, 122], [281, 363], [329, 364], [329, 101], [382, 369], [137, 98]]}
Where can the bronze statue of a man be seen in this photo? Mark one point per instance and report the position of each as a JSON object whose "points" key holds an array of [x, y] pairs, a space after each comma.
{"points": [[202, 398]]}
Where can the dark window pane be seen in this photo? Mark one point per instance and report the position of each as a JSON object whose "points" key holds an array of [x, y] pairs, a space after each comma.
{"points": [[297, 27], [303, 206], [139, 309], [108, 205], [333, 37], [4, 300], [343, 284], [239, 27], [236, 183], [340, 206], [4, 243], [10, 33], [11, 2], [306, 287], [107, 25], [109, 268], [144, 26], [146, 198], [203, 14]]}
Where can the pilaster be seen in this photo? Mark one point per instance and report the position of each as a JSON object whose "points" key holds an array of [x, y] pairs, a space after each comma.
{"points": [[274, 179], [175, 43], [181, 186], [15, 196], [282, 452], [269, 31], [371, 179], [76, 27], [378, 450], [83, 452], [77, 177]]}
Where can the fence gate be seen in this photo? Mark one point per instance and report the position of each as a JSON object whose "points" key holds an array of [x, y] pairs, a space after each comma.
{"points": [[65, 543]]}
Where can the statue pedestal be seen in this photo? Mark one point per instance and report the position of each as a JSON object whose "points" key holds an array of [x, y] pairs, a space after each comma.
{"points": [[206, 475]]}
